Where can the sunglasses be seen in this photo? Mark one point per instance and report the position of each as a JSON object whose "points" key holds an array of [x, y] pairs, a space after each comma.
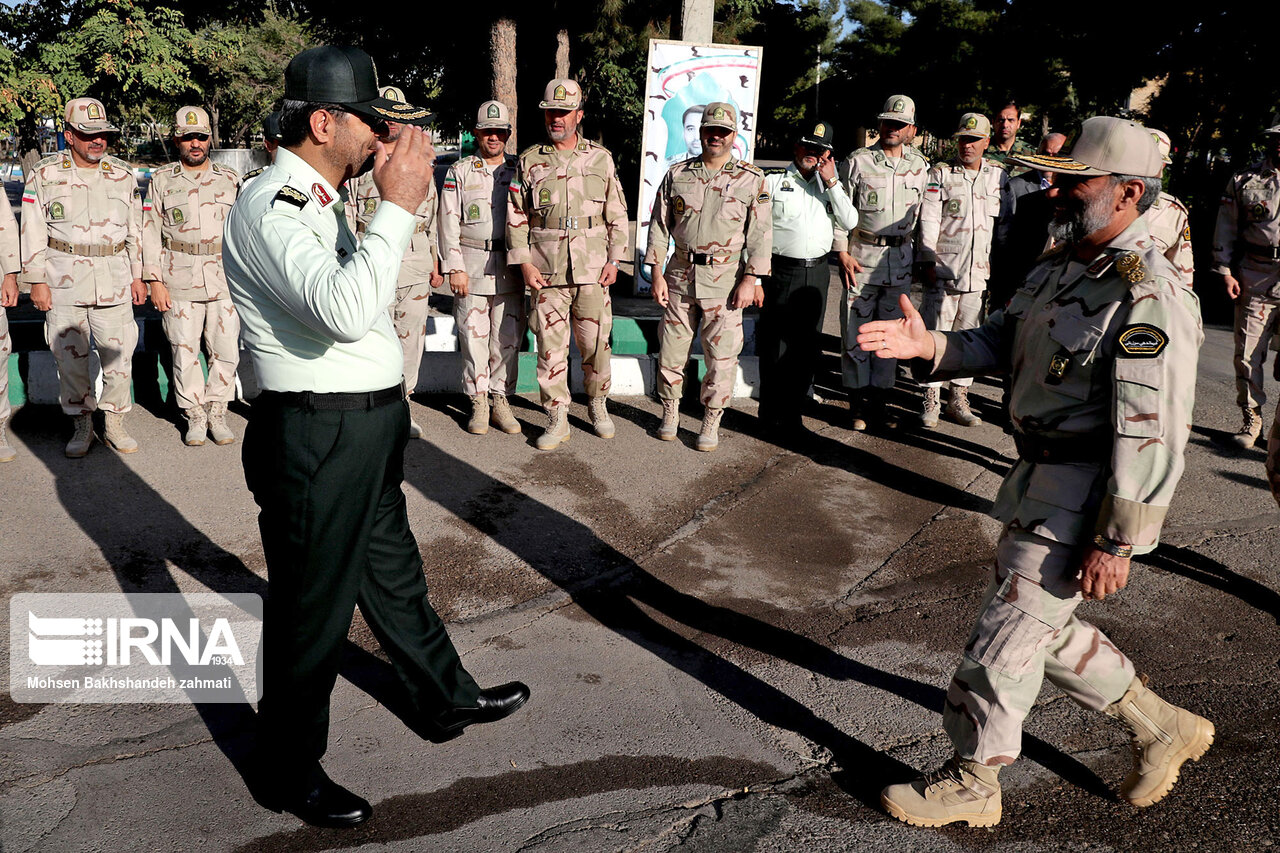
{"points": [[194, 137]]}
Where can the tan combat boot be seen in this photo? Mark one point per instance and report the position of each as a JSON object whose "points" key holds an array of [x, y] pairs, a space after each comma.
{"points": [[958, 407], [114, 433], [932, 408], [709, 435], [197, 426], [1163, 737], [1250, 429], [78, 446], [500, 414], [858, 410], [600, 419], [218, 429], [415, 431], [670, 420], [557, 430], [7, 453], [960, 790], [479, 422]]}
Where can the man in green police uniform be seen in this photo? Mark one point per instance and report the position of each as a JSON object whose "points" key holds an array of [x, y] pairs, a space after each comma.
{"points": [[324, 453]]}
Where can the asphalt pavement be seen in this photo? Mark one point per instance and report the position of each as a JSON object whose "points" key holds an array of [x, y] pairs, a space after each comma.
{"points": [[730, 651]]}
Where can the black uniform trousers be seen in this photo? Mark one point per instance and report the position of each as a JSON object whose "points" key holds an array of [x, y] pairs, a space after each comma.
{"points": [[788, 336], [335, 533]]}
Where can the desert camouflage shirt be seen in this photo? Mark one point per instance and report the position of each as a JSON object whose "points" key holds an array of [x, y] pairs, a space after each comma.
{"points": [[473, 224], [958, 219], [888, 193], [182, 219], [1248, 215], [420, 258], [1168, 221]]}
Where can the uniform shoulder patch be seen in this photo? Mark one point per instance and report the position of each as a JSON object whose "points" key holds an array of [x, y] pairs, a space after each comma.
{"points": [[750, 167], [1142, 340], [255, 173], [288, 194], [48, 161], [773, 170], [763, 198]]}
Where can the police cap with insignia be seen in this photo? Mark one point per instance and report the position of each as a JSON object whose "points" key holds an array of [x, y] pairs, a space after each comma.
{"points": [[1274, 130], [1164, 143], [1106, 146], [819, 136], [87, 115], [493, 115], [973, 125], [899, 108], [335, 74], [191, 120], [720, 114], [562, 93]]}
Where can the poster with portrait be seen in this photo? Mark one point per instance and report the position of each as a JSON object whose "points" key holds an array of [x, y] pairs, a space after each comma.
{"points": [[683, 78]]}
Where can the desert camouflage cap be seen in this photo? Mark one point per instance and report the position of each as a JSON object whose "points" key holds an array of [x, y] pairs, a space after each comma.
{"points": [[1164, 144], [720, 114], [973, 124], [493, 115], [1106, 146], [899, 108], [562, 93], [88, 115], [191, 120]]}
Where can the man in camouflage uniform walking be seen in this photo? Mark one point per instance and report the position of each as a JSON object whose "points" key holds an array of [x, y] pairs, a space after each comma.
{"points": [[1246, 253], [567, 231], [886, 182], [82, 256], [9, 269], [488, 296], [420, 268], [964, 202], [1102, 341], [1168, 221], [182, 218], [716, 210]]}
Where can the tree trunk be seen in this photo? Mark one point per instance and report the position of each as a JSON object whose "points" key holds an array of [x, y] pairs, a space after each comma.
{"points": [[502, 50], [216, 137], [562, 53], [29, 144]]}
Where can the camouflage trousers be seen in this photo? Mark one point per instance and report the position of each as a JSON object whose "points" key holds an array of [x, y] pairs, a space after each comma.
{"points": [[721, 332], [490, 330], [862, 304], [69, 330], [1027, 631], [1256, 321], [216, 326], [6, 347], [948, 310], [588, 309], [409, 316]]}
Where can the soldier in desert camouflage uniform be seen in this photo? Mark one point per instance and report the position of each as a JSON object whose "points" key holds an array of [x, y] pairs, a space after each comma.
{"points": [[1168, 221], [82, 256], [886, 182], [716, 209], [182, 218], [1246, 253], [420, 269], [567, 230], [1102, 341], [488, 296], [964, 202], [9, 269]]}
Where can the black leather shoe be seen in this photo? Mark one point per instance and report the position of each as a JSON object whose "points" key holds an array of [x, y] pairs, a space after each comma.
{"points": [[322, 802], [492, 704]]}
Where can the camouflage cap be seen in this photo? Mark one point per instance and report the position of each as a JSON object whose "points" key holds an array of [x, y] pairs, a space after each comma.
{"points": [[899, 108], [562, 93], [1106, 146], [191, 120], [88, 115], [271, 127], [493, 115], [1164, 144], [973, 124], [820, 137], [720, 114]]}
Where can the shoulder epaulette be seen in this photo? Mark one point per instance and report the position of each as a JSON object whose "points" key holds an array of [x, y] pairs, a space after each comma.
{"points": [[288, 194], [255, 173], [775, 170], [750, 167], [49, 161], [117, 162]]}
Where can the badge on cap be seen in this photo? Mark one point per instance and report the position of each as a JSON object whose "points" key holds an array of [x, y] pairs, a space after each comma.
{"points": [[679, 205], [899, 105], [1131, 267], [1142, 340], [191, 118], [402, 112], [718, 113], [559, 94], [970, 123], [493, 112], [321, 194], [57, 211], [820, 130], [93, 111]]}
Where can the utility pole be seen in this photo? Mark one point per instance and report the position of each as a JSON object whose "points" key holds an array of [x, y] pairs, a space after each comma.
{"points": [[697, 20]]}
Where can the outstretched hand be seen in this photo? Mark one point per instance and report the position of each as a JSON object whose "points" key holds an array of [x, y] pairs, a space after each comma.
{"points": [[905, 338]]}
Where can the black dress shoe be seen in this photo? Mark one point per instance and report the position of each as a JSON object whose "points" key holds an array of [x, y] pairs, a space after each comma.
{"points": [[321, 802], [491, 705]]}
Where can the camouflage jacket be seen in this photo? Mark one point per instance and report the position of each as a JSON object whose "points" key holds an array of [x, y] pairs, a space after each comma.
{"points": [[9, 251], [1249, 213], [566, 213], [1001, 158], [724, 215], [420, 258], [1168, 221], [182, 218], [95, 215], [473, 225], [958, 219], [888, 197], [1103, 358]]}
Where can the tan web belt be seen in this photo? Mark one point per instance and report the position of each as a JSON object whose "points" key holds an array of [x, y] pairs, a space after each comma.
{"points": [[420, 228], [565, 223], [873, 239], [487, 245], [193, 248], [85, 250]]}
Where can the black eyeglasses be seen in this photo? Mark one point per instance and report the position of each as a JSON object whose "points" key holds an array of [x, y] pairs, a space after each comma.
{"points": [[196, 137]]}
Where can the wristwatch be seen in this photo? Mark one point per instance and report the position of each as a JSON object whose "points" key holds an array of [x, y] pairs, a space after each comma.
{"points": [[1115, 549]]}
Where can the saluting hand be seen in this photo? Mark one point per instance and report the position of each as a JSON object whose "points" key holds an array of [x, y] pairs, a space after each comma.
{"points": [[404, 176], [826, 167], [905, 338]]}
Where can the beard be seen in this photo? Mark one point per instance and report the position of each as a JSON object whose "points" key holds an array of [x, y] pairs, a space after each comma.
{"points": [[193, 157], [366, 166], [1083, 220]]}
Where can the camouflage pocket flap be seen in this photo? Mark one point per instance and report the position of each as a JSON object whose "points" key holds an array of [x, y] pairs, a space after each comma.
{"points": [[595, 186], [1141, 371], [1066, 486], [1075, 333]]}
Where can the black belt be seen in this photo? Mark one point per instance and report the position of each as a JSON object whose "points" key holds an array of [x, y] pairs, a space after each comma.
{"points": [[499, 245], [361, 401], [872, 239], [1269, 252], [1061, 451], [784, 261]]}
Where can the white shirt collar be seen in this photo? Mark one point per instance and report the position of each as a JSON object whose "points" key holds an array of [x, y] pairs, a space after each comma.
{"points": [[304, 177]]}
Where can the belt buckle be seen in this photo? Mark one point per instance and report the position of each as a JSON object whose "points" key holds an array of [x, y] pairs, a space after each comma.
{"points": [[570, 223], [701, 259]]}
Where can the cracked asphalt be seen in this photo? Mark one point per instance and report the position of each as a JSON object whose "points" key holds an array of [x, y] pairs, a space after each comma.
{"points": [[728, 652]]}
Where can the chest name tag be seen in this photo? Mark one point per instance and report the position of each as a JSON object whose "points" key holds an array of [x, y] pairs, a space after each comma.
{"points": [[786, 188], [1142, 340]]}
